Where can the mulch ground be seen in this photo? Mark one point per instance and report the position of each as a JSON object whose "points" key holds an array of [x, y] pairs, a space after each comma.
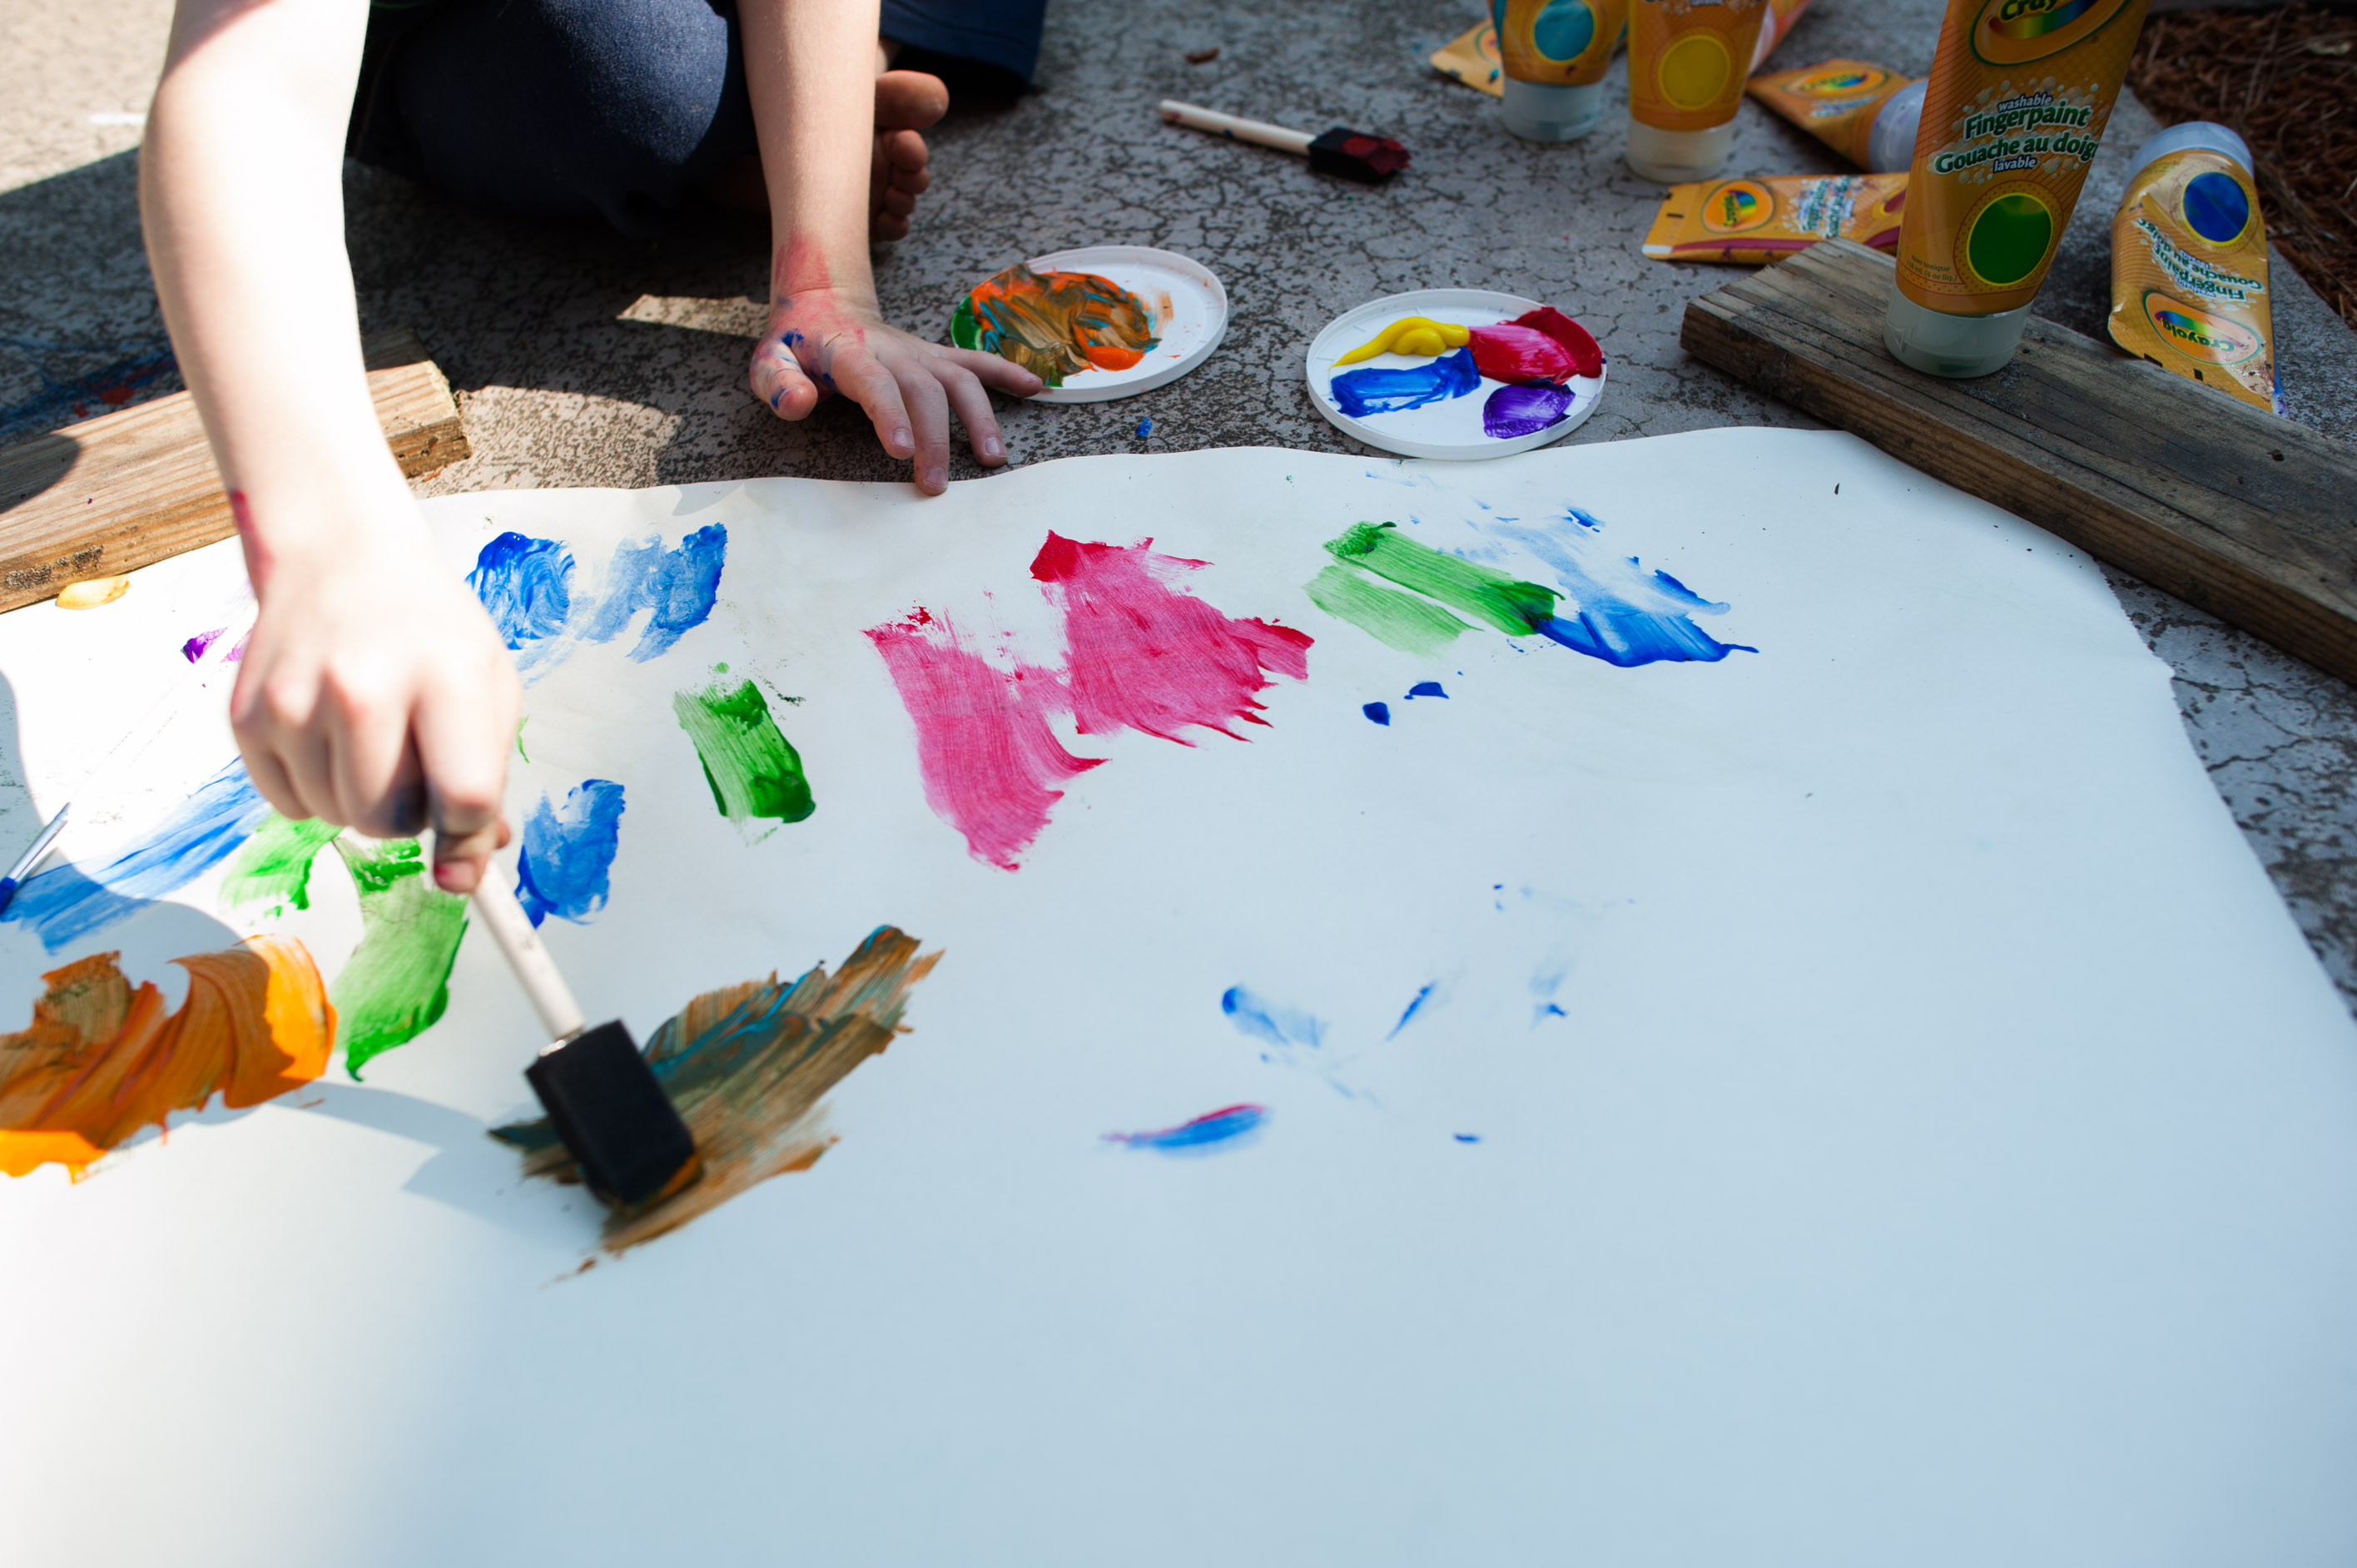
{"points": [[2286, 79]]}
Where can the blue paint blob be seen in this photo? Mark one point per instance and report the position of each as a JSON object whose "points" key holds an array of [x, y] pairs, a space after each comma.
{"points": [[1627, 638], [1413, 1007], [1225, 1129], [1619, 612], [70, 903], [562, 868], [1145, 428], [2216, 207], [1425, 689], [526, 584], [1468, 1137], [1265, 1020], [1387, 389], [679, 586], [1379, 711]]}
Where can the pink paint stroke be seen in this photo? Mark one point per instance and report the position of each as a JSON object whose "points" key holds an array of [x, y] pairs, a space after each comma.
{"points": [[1144, 656], [989, 762]]}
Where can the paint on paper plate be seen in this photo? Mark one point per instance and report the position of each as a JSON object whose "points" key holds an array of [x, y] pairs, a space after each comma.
{"points": [[1055, 325], [529, 587], [103, 1059], [747, 1067], [1609, 608], [754, 771], [1140, 654], [396, 984], [70, 903], [1229, 1127], [565, 864]]}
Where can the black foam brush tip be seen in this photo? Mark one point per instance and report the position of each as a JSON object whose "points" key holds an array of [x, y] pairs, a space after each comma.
{"points": [[1354, 155], [612, 1113]]}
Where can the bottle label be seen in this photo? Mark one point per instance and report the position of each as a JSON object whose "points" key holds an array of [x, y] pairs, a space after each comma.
{"points": [[1564, 43], [2189, 273], [1687, 60]]}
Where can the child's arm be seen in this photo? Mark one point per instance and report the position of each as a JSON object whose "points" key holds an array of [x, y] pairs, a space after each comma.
{"points": [[810, 66], [374, 692]]}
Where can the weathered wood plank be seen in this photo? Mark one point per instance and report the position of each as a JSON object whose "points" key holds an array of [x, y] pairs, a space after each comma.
{"points": [[2246, 515], [130, 489]]}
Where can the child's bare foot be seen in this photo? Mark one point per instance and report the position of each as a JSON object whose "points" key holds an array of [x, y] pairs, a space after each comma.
{"points": [[906, 101]]}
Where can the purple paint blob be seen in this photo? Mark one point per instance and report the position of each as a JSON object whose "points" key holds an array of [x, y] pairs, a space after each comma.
{"points": [[1523, 410], [194, 648]]}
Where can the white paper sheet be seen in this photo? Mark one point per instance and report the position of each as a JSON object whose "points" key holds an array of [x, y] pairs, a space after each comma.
{"points": [[1943, 1152]]}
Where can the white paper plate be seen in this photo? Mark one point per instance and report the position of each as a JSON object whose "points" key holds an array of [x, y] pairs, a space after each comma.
{"points": [[1452, 429], [1191, 317]]}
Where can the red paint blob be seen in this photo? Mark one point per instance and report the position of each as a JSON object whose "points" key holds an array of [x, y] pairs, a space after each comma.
{"points": [[1586, 358], [1520, 356], [1145, 657]]}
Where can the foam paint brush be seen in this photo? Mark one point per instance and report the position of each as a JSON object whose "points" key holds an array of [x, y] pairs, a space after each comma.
{"points": [[1353, 154], [601, 1096]]}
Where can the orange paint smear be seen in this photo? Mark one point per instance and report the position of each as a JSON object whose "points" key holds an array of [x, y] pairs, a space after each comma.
{"points": [[102, 1060], [1058, 324]]}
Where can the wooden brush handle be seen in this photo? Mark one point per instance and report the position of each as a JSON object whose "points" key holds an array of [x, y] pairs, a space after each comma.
{"points": [[1218, 125], [534, 970]]}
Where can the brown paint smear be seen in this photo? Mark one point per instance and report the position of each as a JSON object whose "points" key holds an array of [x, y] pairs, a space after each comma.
{"points": [[102, 1060], [747, 1066]]}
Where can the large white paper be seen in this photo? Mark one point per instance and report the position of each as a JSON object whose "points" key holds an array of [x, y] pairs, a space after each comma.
{"points": [[1869, 1106]]}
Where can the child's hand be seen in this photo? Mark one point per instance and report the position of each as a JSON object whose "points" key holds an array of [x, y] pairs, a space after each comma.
{"points": [[374, 692], [823, 341]]}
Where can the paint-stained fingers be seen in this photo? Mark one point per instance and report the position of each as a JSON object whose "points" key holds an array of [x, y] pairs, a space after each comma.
{"points": [[974, 411], [860, 377], [1002, 375], [779, 379], [929, 411]]}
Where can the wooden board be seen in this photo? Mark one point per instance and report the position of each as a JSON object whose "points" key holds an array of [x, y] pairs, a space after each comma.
{"points": [[2233, 510], [126, 490]]}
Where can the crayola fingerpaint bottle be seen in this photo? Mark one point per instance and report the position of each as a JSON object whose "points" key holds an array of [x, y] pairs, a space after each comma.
{"points": [[1782, 15], [1553, 54], [1687, 60], [2189, 264], [2021, 94], [1865, 112]]}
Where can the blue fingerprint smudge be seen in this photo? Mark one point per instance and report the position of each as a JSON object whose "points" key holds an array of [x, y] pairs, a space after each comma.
{"points": [[1379, 711], [1626, 614], [70, 903], [1425, 689], [1468, 1137], [567, 856], [679, 586], [526, 584], [1265, 1020], [1227, 1128], [1415, 1006], [1388, 389]]}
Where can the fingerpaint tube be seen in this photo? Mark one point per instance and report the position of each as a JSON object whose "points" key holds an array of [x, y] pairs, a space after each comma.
{"points": [[1686, 61], [1553, 54], [1866, 113], [1752, 222], [2190, 264], [2021, 94], [1782, 15]]}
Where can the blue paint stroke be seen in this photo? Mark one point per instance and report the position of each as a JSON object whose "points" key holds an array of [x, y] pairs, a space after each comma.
{"points": [[526, 584], [1265, 1020], [679, 586], [562, 869], [1145, 428], [1379, 711], [1514, 412], [1627, 616], [1468, 1137], [1227, 1128], [70, 903], [1387, 389], [1415, 1006], [1425, 689]]}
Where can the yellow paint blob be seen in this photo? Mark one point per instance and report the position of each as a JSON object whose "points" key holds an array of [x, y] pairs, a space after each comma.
{"points": [[92, 592], [1411, 334]]}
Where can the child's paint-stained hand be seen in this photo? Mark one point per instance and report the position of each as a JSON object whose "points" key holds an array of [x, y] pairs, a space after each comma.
{"points": [[374, 692], [821, 341]]}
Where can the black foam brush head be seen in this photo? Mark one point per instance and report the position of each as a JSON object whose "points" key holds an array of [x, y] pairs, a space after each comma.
{"points": [[611, 1111], [1354, 155]]}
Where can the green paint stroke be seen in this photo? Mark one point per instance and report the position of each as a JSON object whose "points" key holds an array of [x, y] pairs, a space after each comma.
{"points": [[275, 867], [1402, 621], [753, 770], [1480, 594], [397, 981]]}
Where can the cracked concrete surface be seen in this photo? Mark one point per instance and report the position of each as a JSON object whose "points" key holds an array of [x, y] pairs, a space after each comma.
{"points": [[586, 359]]}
